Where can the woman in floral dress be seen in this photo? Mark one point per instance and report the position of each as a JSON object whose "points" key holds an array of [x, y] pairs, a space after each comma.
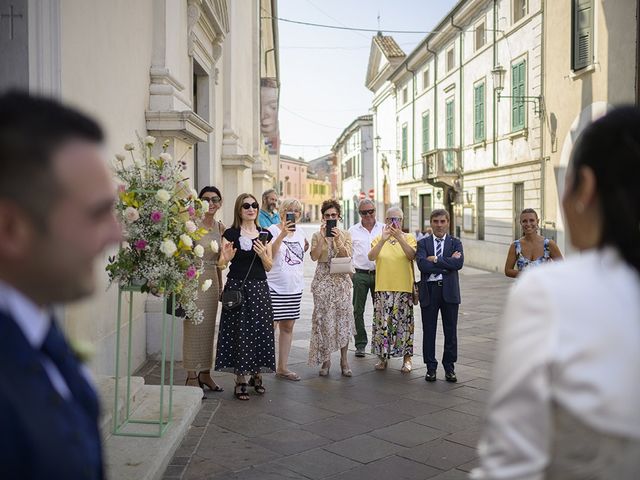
{"points": [[197, 341], [392, 333], [332, 323]]}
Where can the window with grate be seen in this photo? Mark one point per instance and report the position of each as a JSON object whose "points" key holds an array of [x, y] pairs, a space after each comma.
{"points": [[582, 33]]}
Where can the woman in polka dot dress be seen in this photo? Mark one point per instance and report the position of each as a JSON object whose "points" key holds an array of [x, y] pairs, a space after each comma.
{"points": [[245, 340]]}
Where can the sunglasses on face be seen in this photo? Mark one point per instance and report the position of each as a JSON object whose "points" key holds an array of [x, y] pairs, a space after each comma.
{"points": [[330, 215], [367, 212], [253, 205], [212, 199]]}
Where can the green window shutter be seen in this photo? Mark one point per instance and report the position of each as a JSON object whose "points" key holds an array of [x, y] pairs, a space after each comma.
{"points": [[425, 132], [404, 146], [478, 113], [518, 74], [582, 33], [450, 132]]}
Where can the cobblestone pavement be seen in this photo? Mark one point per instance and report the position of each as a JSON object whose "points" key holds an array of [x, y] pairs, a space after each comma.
{"points": [[376, 424]]}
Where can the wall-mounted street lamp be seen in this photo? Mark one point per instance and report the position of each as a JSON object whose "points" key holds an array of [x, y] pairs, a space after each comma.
{"points": [[498, 74]]}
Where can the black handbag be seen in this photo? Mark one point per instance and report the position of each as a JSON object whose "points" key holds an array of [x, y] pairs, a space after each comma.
{"points": [[179, 310], [232, 298]]}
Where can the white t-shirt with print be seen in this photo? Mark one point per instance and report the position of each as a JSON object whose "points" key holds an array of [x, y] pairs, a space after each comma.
{"points": [[287, 273]]}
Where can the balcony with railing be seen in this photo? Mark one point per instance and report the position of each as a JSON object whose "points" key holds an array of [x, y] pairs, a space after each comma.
{"points": [[441, 167]]}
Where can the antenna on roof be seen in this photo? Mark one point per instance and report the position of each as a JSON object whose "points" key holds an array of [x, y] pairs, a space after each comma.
{"points": [[379, 31]]}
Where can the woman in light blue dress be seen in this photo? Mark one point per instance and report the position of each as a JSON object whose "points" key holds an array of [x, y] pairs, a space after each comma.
{"points": [[531, 249]]}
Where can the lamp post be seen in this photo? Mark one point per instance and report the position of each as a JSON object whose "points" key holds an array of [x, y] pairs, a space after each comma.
{"points": [[498, 74]]}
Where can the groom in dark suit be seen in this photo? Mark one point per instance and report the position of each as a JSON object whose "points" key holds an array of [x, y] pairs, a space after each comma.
{"points": [[56, 217], [439, 257]]}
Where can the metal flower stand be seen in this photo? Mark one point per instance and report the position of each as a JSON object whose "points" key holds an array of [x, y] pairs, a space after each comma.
{"points": [[126, 426]]}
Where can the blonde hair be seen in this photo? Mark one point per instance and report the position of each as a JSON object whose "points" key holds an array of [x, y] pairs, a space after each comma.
{"points": [[290, 204]]}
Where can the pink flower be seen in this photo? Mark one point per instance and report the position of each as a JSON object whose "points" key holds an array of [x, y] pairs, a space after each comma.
{"points": [[122, 188], [140, 244], [191, 272], [156, 216], [192, 211]]}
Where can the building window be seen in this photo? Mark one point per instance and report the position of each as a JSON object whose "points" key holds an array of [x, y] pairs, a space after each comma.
{"points": [[405, 95], [404, 162], [480, 201], [404, 206], [518, 90], [449, 134], [480, 35], [478, 112], [519, 10], [425, 79], [425, 132], [518, 206], [451, 58], [582, 34], [425, 211]]}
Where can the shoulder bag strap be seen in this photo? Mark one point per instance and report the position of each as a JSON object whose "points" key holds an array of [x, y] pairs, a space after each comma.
{"points": [[249, 271]]}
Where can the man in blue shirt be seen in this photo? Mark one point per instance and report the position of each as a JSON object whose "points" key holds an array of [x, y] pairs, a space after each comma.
{"points": [[268, 214]]}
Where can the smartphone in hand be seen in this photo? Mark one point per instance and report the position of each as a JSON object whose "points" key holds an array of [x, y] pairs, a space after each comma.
{"points": [[331, 224], [396, 222], [263, 236], [291, 217]]}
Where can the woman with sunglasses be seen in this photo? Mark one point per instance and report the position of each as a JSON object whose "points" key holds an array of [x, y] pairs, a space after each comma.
{"points": [[245, 342], [332, 321], [393, 326], [197, 340]]}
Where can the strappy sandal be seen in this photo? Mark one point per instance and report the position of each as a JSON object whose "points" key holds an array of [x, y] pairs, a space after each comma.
{"points": [[381, 365], [215, 388], [256, 382], [242, 394]]}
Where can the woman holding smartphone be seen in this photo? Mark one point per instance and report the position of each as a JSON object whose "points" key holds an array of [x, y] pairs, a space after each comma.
{"points": [[286, 280], [392, 333], [245, 341], [332, 321]]}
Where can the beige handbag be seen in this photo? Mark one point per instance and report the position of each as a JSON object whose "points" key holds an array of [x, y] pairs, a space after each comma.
{"points": [[341, 265]]}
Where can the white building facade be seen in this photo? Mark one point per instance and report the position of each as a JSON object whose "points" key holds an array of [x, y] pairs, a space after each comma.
{"points": [[186, 71], [462, 144], [354, 154]]}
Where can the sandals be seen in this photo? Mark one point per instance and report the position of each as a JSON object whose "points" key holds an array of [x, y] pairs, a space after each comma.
{"points": [[256, 382], [293, 376], [381, 365], [215, 388], [324, 369], [346, 371], [242, 394]]}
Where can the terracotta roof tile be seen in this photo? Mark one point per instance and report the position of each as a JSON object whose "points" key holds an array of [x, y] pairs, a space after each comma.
{"points": [[388, 46]]}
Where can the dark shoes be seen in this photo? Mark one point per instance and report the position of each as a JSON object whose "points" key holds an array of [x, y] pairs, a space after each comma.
{"points": [[430, 376], [360, 352], [451, 377]]}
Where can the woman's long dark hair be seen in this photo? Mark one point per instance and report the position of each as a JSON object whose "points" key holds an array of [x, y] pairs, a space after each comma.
{"points": [[611, 148]]}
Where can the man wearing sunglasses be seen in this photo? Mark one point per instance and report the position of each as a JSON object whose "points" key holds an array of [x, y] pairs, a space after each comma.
{"points": [[364, 280]]}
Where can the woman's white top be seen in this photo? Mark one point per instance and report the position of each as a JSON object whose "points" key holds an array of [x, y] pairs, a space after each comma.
{"points": [[287, 273], [569, 342]]}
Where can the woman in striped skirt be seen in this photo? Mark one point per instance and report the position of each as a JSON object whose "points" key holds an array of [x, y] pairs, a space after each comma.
{"points": [[286, 280]]}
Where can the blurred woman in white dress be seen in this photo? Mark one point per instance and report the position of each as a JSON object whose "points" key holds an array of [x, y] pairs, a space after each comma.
{"points": [[565, 400]]}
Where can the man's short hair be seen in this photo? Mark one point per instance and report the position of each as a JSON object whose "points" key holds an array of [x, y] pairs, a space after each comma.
{"points": [[366, 201], [266, 193], [32, 129], [439, 212]]}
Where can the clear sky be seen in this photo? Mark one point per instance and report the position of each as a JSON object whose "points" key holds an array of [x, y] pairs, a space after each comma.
{"points": [[322, 71]]}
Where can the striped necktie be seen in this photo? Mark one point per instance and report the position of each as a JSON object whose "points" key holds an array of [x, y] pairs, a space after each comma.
{"points": [[439, 243]]}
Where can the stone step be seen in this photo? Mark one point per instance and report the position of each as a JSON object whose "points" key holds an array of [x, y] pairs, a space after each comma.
{"points": [[106, 385], [146, 458]]}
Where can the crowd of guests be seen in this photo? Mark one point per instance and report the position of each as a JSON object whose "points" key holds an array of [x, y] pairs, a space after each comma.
{"points": [[564, 400]]}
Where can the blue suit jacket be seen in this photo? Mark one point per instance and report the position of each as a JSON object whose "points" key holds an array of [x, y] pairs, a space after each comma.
{"points": [[43, 435], [447, 266]]}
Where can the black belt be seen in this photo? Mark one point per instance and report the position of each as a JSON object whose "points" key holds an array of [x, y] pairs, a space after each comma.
{"points": [[367, 272], [437, 283]]}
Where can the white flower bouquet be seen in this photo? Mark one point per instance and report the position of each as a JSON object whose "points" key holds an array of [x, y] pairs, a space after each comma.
{"points": [[159, 214]]}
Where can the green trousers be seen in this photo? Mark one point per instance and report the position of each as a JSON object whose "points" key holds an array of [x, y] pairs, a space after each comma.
{"points": [[363, 283]]}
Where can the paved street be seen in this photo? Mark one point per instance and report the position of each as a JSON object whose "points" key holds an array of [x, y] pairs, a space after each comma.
{"points": [[373, 425]]}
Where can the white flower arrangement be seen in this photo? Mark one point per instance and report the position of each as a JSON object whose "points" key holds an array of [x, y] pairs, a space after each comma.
{"points": [[159, 213]]}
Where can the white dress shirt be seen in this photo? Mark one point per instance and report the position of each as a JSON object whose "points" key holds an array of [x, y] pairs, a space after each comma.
{"points": [[569, 340], [361, 239], [433, 277], [34, 323]]}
